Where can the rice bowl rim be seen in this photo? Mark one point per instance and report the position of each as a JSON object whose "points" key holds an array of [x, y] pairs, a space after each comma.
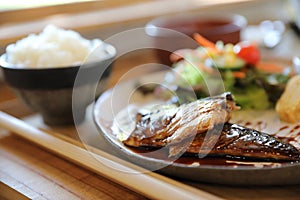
{"points": [[55, 77], [109, 49]]}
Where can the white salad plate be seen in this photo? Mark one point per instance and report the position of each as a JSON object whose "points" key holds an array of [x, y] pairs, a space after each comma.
{"points": [[114, 115]]}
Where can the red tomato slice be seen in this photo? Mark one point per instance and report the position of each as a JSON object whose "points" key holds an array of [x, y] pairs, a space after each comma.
{"points": [[248, 52]]}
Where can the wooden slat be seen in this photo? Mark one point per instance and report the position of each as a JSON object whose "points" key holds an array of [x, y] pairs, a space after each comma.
{"points": [[49, 177], [28, 14], [7, 192], [6, 92]]}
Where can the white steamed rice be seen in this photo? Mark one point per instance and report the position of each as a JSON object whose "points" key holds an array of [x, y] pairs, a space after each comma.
{"points": [[53, 47]]}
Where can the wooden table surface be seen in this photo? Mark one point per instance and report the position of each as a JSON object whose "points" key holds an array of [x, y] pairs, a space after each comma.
{"points": [[28, 171]]}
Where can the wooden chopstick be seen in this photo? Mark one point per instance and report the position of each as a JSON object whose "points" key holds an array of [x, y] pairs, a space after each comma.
{"points": [[149, 184]]}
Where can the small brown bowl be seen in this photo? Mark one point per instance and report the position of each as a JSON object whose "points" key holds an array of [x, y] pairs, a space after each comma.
{"points": [[51, 91], [173, 32]]}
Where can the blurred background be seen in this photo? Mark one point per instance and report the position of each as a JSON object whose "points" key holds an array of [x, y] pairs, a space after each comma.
{"points": [[102, 19]]}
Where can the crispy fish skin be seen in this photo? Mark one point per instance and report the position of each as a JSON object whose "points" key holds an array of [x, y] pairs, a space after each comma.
{"points": [[170, 124], [202, 127], [240, 142]]}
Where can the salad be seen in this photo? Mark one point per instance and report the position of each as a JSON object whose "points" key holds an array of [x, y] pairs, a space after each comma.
{"points": [[213, 68]]}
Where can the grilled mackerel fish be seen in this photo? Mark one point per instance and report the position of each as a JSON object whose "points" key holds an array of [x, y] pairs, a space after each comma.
{"points": [[236, 141], [202, 127]]}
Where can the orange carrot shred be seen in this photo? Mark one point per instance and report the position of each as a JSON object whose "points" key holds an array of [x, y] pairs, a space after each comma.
{"points": [[203, 41], [239, 74], [269, 67]]}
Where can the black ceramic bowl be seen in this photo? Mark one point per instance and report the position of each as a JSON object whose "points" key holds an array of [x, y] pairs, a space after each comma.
{"points": [[50, 91]]}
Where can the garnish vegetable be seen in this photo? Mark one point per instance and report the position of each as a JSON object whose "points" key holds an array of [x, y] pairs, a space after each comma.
{"points": [[214, 67]]}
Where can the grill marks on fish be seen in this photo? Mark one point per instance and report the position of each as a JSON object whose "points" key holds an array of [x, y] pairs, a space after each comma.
{"points": [[240, 142], [166, 124], [202, 128]]}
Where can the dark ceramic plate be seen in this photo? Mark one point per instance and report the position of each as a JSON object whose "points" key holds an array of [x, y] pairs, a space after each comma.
{"points": [[117, 107]]}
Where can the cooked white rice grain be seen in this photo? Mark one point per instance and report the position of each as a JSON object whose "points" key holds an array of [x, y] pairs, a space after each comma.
{"points": [[53, 47]]}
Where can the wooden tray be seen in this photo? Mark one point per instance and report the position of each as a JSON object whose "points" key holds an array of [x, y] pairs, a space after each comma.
{"points": [[36, 172]]}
